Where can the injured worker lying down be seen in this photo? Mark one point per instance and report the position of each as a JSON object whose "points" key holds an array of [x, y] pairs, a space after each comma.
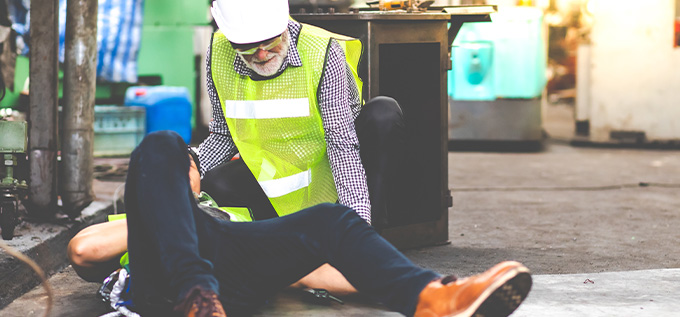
{"points": [[177, 254]]}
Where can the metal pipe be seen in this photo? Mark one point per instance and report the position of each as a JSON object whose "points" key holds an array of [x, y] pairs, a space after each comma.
{"points": [[80, 72], [43, 113]]}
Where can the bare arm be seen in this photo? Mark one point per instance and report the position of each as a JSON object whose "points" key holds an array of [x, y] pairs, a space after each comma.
{"points": [[95, 251], [328, 278]]}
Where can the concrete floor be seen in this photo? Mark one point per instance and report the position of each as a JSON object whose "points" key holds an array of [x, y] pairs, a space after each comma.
{"points": [[632, 293], [570, 214]]}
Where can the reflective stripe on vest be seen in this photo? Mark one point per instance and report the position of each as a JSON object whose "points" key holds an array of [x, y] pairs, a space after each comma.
{"points": [[276, 123], [286, 185], [266, 109]]}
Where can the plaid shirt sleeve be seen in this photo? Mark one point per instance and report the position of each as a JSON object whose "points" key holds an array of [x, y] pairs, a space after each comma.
{"points": [[340, 103], [218, 147]]}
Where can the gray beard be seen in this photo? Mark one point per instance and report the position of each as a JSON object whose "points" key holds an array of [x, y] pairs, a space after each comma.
{"points": [[274, 60]]}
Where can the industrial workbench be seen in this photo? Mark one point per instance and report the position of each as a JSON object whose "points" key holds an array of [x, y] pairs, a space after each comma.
{"points": [[407, 56]]}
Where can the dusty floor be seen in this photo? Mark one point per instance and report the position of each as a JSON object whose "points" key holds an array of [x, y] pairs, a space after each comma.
{"points": [[565, 210], [562, 210]]}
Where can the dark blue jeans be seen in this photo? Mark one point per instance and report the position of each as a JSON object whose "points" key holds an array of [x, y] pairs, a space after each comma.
{"points": [[174, 245]]}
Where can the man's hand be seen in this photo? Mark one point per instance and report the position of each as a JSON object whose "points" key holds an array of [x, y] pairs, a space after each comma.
{"points": [[194, 177]]}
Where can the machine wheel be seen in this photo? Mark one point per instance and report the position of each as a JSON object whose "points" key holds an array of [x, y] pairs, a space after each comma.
{"points": [[8, 218]]}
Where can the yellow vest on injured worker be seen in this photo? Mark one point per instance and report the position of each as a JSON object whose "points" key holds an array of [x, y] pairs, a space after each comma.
{"points": [[276, 123]]}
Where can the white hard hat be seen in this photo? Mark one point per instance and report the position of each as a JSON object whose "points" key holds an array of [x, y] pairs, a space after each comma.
{"points": [[250, 21]]}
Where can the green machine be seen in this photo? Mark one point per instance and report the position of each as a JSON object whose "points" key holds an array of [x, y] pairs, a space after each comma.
{"points": [[11, 99], [12, 144]]}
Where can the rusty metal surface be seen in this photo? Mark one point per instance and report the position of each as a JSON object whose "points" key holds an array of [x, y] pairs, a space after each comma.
{"points": [[42, 118], [79, 90], [372, 16], [456, 15]]}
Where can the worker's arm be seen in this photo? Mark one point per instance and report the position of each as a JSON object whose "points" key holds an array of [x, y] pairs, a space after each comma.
{"points": [[95, 251], [339, 102], [219, 146]]}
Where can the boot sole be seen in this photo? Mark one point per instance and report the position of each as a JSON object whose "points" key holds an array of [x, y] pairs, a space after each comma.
{"points": [[508, 296], [503, 296]]}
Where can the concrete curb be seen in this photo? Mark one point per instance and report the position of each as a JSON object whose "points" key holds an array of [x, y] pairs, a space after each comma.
{"points": [[45, 243], [628, 293]]}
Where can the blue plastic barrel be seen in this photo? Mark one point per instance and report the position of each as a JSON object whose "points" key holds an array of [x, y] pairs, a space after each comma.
{"points": [[167, 108]]}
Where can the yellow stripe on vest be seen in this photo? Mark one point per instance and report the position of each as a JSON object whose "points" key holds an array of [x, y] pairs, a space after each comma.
{"points": [[286, 185], [266, 109]]}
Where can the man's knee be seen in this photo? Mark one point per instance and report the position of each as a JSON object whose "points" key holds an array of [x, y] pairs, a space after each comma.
{"points": [[167, 138], [162, 141], [383, 110], [382, 116]]}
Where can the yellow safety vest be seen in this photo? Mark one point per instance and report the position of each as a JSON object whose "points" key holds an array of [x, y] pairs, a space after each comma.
{"points": [[276, 123]]}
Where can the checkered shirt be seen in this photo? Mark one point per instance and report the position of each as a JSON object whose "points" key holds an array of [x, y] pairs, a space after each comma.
{"points": [[339, 103]]}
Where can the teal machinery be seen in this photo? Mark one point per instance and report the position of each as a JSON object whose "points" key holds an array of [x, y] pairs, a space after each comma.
{"points": [[498, 77]]}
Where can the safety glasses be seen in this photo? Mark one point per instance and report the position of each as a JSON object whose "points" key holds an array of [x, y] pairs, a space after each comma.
{"points": [[250, 49]]}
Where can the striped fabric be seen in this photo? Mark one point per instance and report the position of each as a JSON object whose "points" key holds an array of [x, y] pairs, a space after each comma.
{"points": [[119, 27]]}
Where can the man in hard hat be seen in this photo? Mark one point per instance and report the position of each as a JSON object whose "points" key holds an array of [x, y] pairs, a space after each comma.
{"points": [[181, 255], [287, 98]]}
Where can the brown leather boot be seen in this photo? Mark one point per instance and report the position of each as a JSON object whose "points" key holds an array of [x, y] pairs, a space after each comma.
{"points": [[200, 302], [494, 293]]}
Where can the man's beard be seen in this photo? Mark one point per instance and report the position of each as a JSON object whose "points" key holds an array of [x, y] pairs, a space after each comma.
{"points": [[271, 64]]}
